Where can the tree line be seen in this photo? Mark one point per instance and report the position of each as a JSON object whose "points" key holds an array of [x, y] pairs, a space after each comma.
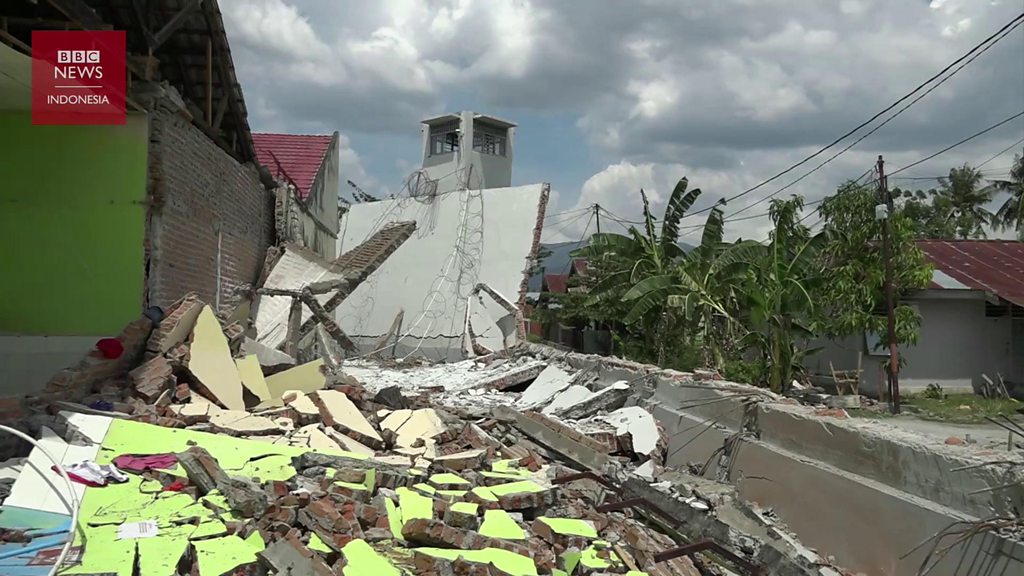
{"points": [[749, 308]]}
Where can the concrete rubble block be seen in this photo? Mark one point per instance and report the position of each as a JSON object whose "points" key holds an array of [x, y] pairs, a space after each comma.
{"points": [[176, 326], [211, 364], [203, 471], [466, 460], [641, 427], [392, 397], [432, 532], [513, 377], [566, 398], [290, 556], [607, 399], [340, 413], [548, 384], [463, 515], [152, 378]]}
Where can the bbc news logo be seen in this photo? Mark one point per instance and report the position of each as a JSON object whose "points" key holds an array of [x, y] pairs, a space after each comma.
{"points": [[78, 77], [78, 56]]}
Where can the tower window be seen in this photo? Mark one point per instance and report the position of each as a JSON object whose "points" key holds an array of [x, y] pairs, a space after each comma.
{"points": [[444, 143], [487, 142]]}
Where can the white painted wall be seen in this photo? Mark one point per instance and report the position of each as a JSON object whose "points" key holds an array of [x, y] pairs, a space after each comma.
{"points": [[28, 362], [957, 344], [429, 277]]}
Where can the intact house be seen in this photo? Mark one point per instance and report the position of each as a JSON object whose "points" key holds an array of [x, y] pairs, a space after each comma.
{"points": [[102, 222], [972, 324], [306, 170]]}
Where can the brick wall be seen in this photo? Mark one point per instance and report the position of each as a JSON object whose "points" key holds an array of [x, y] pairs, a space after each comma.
{"points": [[194, 186]]}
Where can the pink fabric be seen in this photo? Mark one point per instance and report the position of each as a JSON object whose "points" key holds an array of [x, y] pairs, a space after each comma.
{"points": [[141, 463]]}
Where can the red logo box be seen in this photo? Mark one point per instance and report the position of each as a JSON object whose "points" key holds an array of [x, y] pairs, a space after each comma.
{"points": [[78, 77]]}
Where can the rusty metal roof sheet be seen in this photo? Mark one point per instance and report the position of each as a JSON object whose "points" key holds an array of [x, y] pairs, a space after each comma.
{"points": [[994, 266]]}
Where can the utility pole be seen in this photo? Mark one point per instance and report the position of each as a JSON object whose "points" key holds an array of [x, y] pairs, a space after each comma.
{"points": [[890, 304], [597, 216]]}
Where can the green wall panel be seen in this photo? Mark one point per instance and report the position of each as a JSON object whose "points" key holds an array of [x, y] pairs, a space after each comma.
{"points": [[72, 222]]}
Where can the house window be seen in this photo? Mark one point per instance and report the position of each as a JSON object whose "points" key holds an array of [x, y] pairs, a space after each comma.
{"points": [[444, 143]]}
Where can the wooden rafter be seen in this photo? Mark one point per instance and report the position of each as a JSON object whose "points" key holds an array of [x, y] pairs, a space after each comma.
{"points": [[176, 22]]}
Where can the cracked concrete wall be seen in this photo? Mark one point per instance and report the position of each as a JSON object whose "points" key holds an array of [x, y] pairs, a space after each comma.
{"points": [[862, 491]]}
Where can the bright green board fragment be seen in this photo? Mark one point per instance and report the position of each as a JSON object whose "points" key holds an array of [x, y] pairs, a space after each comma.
{"points": [[364, 561], [448, 478], [160, 554], [498, 524], [591, 560], [414, 505], [315, 543], [394, 518], [465, 507], [503, 475], [485, 494], [516, 488], [221, 555], [510, 562], [425, 488], [570, 526]]}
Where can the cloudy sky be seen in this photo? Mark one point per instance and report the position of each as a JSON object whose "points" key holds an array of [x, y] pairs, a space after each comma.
{"points": [[614, 96]]}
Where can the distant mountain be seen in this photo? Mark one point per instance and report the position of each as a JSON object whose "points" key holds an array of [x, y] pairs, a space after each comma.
{"points": [[559, 260]]}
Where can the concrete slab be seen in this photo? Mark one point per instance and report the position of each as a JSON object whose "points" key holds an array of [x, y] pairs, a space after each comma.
{"points": [[639, 424], [567, 398], [548, 383], [296, 268]]}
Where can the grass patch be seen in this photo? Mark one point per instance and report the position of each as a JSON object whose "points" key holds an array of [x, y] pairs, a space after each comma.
{"points": [[961, 408]]}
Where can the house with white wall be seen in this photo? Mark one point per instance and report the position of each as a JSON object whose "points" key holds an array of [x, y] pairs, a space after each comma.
{"points": [[468, 150], [972, 323]]}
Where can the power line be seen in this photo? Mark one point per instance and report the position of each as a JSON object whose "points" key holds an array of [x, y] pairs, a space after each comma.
{"points": [[964, 141], [877, 128], [983, 46], [1001, 152]]}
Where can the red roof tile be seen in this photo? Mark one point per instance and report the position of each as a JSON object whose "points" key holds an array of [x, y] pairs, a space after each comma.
{"points": [[292, 157], [995, 266], [556, 283]]}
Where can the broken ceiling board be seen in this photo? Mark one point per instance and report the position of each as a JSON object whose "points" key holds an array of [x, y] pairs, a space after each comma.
{"points": [[295, 269], [346, 415], [362, 560], [394, 420], [251, 373], [639, 424], [548, 383], [567, 398], [243, 423], [304, 378], [352, 445], [423, 423], [499, 524], [211, 364], [505, 242], [505, 560]]}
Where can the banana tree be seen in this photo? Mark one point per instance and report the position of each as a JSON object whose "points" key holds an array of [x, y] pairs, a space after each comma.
{"points": [[780, 309]]}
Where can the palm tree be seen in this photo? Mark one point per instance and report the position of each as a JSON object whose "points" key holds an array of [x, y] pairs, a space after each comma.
{"points": [[961, 202], [1011, 213]]}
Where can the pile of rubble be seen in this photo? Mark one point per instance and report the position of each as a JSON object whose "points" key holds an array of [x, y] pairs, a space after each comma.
{"points": [[497, 465]]}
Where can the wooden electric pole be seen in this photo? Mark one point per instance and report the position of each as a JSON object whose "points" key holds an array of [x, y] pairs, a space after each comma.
{"points": [[890, 304]]}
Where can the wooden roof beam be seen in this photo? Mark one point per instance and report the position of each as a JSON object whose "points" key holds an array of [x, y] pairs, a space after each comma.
{"points": [[217, 36], [176, 22], [80, 12]]}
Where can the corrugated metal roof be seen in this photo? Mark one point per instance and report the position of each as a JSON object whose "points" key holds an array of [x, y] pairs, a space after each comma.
{"points": [[994, 266], [293, 157], [556, 283]]}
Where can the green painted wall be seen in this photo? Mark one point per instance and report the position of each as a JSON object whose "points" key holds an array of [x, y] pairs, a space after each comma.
{"points": [[72, 225]]}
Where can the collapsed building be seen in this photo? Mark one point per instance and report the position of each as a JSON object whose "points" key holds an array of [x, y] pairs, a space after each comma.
{"points": [[304, 395]]}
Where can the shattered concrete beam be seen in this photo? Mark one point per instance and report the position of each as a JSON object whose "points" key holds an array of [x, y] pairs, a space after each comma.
{"points": [[362, 261], [325, 286], [291, 342]]}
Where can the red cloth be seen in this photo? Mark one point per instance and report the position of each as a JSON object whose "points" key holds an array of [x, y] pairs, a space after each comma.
{"points": [[176, 486], [111, 348], [141, 463]]}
